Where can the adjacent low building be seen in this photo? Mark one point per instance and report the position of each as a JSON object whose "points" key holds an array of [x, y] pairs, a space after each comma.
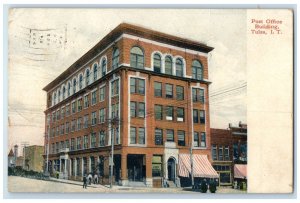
{"points": [[229, 148], [140, 91]]}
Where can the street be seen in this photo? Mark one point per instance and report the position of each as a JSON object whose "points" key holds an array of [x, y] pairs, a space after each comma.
{"points": [[20, 184]]}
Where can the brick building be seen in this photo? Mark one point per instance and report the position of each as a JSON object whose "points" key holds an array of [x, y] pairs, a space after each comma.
{"points": [[142, 91], [34, 157], [229, 148]]}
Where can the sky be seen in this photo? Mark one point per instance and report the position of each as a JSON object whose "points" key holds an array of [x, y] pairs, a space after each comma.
{"points": [[75, 31]]}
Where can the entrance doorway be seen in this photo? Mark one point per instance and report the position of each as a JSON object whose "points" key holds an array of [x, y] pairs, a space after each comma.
{"points": [[171, 169], [135, 167]]}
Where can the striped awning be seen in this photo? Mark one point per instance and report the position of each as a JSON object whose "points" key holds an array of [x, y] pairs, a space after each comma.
{"points": [[240, 171], [201, 166]]}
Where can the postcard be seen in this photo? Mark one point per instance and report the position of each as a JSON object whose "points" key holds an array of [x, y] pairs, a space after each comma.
{"points": [[186, 101]]}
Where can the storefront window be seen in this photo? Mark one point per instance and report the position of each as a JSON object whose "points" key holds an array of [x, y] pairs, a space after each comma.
{"points": [[157, 166]]}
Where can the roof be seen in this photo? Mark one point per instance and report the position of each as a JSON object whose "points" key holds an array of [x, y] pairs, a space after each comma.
{"points": [[125, 28], [11, 153]]}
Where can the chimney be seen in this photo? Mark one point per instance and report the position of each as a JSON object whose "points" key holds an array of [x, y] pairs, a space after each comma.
{"points": [[240, 124], [229, 125]]}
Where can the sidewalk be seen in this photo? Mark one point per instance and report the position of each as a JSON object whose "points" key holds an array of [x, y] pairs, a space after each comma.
{"points": [[72, 182]]}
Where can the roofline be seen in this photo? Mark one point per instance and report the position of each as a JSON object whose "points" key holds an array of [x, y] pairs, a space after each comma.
{"points": [[125, 28]]}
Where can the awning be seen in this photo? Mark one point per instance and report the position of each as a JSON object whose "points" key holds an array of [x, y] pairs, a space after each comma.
{"points": [[201, 166], [240, 171]]}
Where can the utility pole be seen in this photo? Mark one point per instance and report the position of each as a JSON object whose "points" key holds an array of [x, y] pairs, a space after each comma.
{"points": [[47, 159], [24, 145], [113, 123]]}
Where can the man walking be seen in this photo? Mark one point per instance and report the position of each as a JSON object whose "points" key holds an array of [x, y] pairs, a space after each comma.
{"points": [[84, 181]]}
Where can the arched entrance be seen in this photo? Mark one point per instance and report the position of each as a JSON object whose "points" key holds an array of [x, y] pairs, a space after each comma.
{"points": [[171, 169]]}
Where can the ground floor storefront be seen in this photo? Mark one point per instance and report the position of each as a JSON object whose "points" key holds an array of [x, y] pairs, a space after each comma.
{"points": [[131, 167]]}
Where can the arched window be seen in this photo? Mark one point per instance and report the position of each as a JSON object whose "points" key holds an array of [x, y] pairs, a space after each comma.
{"points": [[179, 67], [95, 72], [197, 70], [87, 77], [103, 66], [64, 93], [168, 65], [69, 89], [157, 63], [115, 59], [58, 95], [80, 81], [54, 98], [136, 58], [74, 85]]}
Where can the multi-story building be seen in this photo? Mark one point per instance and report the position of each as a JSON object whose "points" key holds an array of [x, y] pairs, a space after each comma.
{"points": [[141, 91], [229, 152], [34, 157]]}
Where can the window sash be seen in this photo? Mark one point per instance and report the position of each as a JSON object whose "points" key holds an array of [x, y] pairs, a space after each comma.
{"points": [[132, 85], [169, 91], [141, 136], [179, 93], [141, 86], [141, 110], [181, 138], [132, 135], [203, 140], [196, 139], [158, 112], [158, 137], [170, 135], [158, 89]]}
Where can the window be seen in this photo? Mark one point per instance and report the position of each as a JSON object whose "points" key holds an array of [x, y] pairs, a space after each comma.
{"points": [[158, 137], [85, 142], [141, 86], [181, 138], [168, 65], [158, 89], [158, 112], [79, 123], [67, 127], [94, 118], [157, 166], [86, 101], [179, 67], [157, 63], [169, 112], [73, 125], [79, 104], [170, 135], [67, 144], [103, 65], [102, 138], [203, 140], [95, 72], [102, 93], [180, 114], [53, 116], [93, 140], [102, 115], [57, 147], [195, 116], [80, 81], [226, 153], [117, 136], [64, 93], [198, 95], [78, 143], [137, 85], [62, 112], [94, 97], [202, 116], [132, 135], [141, 136], [58, 96], [74, 85], [62, 129], [196, 139], [115, 59], [54, 98], [220, 153], [141, 110], [133, 109], [57, 131], [87, 77], [68, 110], [53, 132], [136, 58], [115, 88], [69, 89], [57, 114], [197, 70], [73, 107], [86, 121], [169, 91], [115, 110], [72, 144], [214, 152], [179, 93], [132, 85]]}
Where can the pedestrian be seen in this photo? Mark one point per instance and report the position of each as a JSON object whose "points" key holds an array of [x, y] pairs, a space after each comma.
{"points": [[84, 181], [96, 178], [90, 177]]}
